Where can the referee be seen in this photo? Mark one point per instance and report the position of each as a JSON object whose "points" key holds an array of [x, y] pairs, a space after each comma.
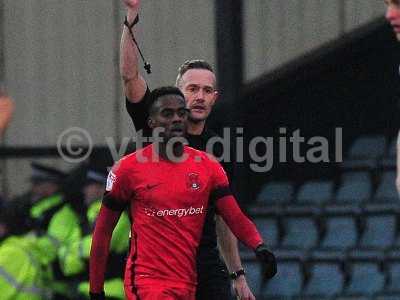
{"points": [[6, 110], [393, 17]]}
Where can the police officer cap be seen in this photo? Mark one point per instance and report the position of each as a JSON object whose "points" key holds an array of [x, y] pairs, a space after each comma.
{"points": [[94, 175], [99, 162], [43, 173]]}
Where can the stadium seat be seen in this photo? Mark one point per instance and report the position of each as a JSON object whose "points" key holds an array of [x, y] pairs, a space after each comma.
{"points": [[352, 298], [393, 269], [356, 176], [253, 275], [365, 278], [388, 297], [355, 188], [379, 232], [359, 164], [315, 192], [326, 279], [386, 191], [388, 163], [341, 232], [287, 282], [397, 242], [269, 229], [392, 149], [370, 146], [276, 193], [300, 232], [364, 152], [304, 297]]}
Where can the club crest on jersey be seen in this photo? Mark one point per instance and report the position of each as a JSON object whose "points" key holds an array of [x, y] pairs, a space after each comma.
{"points": [[193, 181]]}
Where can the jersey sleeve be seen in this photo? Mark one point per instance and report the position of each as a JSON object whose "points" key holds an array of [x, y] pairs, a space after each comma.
{"points": [[139, 113], [238, 223], [220, 186], [118, 192], [99, 251]]}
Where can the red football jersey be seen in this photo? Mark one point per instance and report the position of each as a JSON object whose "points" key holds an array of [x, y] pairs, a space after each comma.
{"points": [[168, 203]]}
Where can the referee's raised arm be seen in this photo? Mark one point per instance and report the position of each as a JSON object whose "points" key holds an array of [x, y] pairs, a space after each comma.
{"points": [[134, 84], [6, 110]]}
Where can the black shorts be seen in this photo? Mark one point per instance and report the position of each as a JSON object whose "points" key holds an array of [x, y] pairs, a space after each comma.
{"points": [[213, 282]]}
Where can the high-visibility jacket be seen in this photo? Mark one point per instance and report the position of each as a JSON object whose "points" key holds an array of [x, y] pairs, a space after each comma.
{"points": [[65, 231], [24, 273], [74, 250], [42, 211], [119, 244], [120, 237], [112, 288]]}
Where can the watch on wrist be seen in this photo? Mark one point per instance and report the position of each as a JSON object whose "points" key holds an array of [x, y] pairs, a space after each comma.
{"points": [[236, 274]]}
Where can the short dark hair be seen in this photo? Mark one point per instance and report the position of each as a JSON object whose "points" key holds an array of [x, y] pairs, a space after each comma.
{"points": [[162, 91], [192, 64]]}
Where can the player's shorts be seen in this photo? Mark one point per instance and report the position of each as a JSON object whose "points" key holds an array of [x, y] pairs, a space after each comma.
{"points": [[156, 292], [213, 283]]}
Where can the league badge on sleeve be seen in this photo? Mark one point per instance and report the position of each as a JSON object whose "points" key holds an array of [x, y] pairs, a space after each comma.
{"points": [[110, 181]]}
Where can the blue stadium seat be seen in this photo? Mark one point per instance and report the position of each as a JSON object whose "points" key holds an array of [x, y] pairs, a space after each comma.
{"points": [[352, 298], [392, 149], [287, 282], [393, 268], [356, 176], [364, 152], [300, 232], [276, 193], [386, 191], [269, 230], [388, 163], [326, 279], [253, 275], [365, 278], [379, 232], [370, 146], [355, 188], [341, 232], [388, 297], [315, 192], [359, 163]]}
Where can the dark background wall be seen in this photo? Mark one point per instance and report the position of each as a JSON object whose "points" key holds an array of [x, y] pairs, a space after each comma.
{"points": [[352, 83]]}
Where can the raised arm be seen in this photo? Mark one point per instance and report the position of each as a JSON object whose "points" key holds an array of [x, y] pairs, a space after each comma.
{"points": [[134, 84], [6, 111]]}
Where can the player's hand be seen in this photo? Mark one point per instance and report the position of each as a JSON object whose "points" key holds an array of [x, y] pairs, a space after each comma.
{"points": [[241, 289], [268, 260], [132, 4]]}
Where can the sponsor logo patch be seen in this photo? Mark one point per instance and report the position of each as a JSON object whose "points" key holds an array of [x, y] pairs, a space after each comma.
{"points": [[178, 212]]}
